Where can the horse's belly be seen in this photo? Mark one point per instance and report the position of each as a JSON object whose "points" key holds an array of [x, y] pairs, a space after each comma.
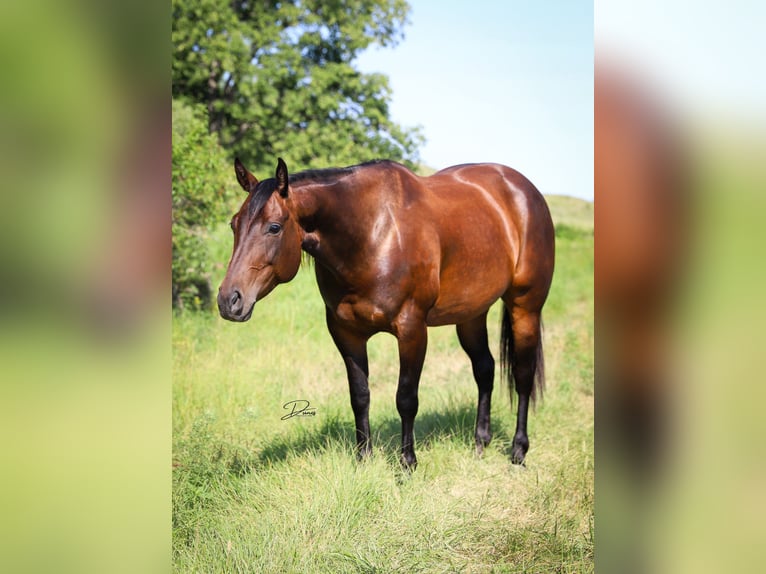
{"points": [[461, 305], [469, 282]]}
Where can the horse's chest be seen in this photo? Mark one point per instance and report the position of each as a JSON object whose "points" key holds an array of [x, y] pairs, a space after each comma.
{"points": [[362, 313], [351, 307]]}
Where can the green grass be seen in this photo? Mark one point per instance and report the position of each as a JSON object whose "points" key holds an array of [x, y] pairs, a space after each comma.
{"points": [[253, 493], [571, 211]]}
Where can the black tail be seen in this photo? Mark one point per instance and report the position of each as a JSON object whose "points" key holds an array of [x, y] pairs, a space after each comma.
{"points": [[508, 357]]}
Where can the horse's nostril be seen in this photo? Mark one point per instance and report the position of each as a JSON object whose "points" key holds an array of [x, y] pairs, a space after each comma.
{"points": [[235, 297]]}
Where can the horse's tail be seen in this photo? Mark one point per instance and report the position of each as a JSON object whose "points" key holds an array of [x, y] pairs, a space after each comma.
{"points": [[508, 356]]}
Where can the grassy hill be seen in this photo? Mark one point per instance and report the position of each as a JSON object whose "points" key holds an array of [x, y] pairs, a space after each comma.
{"points": [[571, 211]]}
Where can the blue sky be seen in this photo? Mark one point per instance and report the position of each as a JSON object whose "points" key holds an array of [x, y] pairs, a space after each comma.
{"points": [[501, 81]]}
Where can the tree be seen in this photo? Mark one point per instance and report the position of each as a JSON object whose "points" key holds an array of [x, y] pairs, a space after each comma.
{"points": [[203, 195], [278, 78]]}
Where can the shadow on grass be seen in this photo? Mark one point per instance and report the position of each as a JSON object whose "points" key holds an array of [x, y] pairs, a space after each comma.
{"points": [[202, 456], [333, 432], [431, 428]]}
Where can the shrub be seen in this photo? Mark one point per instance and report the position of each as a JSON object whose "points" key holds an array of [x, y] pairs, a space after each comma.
{"points": [[203, 190]]}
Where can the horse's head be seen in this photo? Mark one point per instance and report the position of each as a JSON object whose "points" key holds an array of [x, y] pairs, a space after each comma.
{"points": [[267, 244]]}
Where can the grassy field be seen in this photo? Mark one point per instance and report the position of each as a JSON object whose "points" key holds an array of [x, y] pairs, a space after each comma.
{"points": [[253, 493], [571, 211]]}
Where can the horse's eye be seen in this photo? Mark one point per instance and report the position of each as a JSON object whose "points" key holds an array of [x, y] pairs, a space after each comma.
{"points": [[274, 228]]}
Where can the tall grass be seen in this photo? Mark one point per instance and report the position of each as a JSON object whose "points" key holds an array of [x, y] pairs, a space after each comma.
{"points": [[253, 493]]}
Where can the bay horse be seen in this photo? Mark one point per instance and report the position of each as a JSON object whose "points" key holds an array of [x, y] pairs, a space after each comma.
{"points": [[397, 253]]}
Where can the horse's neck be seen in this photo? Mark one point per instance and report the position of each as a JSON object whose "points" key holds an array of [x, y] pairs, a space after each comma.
{"points": [[316, 204], [323, 212]]}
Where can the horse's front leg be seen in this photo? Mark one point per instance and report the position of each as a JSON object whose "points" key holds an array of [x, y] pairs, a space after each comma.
{"points": [[413, 340], [353, 349]]}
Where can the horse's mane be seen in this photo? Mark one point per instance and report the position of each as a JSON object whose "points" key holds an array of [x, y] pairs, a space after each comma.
{"points": [[330, 175], [265, 188]]}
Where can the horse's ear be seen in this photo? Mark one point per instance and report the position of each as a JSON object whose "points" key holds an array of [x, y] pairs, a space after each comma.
{"points": [[281, 177], [245, 178]]}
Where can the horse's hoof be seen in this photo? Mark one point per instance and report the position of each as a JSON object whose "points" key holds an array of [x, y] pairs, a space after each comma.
{"points": [[480, 445], [519, 451], [408, 462], [482, 440], [363, 454]]}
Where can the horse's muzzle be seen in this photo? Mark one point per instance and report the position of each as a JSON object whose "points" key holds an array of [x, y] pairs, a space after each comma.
{"points": [[231, 306]]}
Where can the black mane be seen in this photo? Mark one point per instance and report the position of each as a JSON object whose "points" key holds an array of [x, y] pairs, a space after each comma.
{"points": [[265, 188], [331, 174]]}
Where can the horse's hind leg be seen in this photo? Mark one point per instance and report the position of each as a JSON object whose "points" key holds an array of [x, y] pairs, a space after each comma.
{"points": [[526, 366], [473, 338]]}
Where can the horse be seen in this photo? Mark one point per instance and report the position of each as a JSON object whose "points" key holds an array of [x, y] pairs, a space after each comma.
{"points": [[398, 253]]}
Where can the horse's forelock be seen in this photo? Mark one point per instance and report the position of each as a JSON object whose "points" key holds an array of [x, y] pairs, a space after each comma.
{"points": [[260, 196]]}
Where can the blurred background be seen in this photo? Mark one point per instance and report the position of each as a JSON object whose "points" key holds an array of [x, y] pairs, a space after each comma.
{"points": [[680, 114], [85, 274]]}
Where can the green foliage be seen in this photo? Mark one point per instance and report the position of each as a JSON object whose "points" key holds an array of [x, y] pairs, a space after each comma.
{"points": [[278, 79], [202, 196]]}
